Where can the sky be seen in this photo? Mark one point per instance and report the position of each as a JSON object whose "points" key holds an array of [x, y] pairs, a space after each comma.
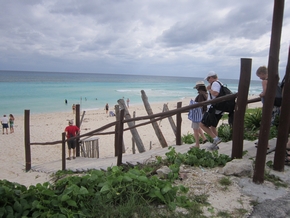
{"points": [[142, 37]]}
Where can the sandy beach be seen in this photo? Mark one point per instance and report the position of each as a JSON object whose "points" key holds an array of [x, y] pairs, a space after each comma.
{"points": [[49, 127]]}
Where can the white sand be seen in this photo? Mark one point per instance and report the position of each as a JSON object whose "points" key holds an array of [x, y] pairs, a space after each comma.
{"points": [[49, 127]]}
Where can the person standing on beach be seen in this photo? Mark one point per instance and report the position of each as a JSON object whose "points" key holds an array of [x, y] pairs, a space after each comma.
{"points": [[11, 123], [128, 102], [71, 131], [210, 125], [4, 122], [107, 108], [195, 114]]}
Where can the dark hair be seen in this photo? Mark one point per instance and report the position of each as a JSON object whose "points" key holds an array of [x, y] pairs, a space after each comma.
{"points": [[201, 88]]}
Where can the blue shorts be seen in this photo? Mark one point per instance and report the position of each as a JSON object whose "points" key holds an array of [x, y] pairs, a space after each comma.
{"points": [[5, 125]]}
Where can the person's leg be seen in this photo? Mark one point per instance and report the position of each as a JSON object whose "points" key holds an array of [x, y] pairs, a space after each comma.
{"points": [[204, 139], [214, 130], [69, 149], [196, 137], [207, 130], [69, 154], [73, 146], [74, 153]]}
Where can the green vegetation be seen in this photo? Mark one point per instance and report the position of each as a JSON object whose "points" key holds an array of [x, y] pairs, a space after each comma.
{"points": [[225, 181], [118, 192]]}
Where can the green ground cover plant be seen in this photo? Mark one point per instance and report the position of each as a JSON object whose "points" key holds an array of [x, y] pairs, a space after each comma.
{"points": [[114, 193]]}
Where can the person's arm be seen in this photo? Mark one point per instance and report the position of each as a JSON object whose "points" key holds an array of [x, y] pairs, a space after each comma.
{"points": [[213, 89]]}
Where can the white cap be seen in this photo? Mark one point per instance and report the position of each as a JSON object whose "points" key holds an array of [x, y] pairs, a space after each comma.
{"points": [[71, 122], [210, 73]]}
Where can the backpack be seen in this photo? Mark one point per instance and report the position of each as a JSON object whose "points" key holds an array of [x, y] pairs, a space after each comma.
{"points": [[278, 96], [225, 106]]}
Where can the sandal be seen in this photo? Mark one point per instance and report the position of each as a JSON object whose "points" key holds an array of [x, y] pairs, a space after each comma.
{"points": [[68, 158], [74, 157], [205, 141]]}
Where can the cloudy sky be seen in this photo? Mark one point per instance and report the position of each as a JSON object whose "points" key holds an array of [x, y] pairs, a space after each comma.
{"points": [[148, 37]]}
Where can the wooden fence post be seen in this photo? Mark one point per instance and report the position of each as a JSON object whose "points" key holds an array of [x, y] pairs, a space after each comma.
{"points": [[273, 78], [63, 151], [171, 121], [154, 124], [78, 125], [178, 125], [283, 129], [134, 131], [241, 104], [27, 140], [133, 141], [117, 114], [120, 137]]}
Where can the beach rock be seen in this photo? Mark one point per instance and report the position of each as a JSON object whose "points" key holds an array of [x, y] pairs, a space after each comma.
{"points": [[163, 172], [238, 167]]}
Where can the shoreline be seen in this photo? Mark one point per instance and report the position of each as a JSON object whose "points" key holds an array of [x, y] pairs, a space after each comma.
{"points": [[48, 127]]}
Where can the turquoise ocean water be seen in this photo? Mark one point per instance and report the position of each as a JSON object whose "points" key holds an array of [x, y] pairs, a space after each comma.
{"points": [[45, 92]]}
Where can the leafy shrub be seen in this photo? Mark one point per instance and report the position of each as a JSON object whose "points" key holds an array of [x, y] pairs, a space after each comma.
{"points": [[188, 138], [253, 119], [197, 157], [225, 132]]}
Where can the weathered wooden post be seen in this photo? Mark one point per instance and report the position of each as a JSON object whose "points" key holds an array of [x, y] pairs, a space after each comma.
{"points": [[241, 104], [134, 131], [284, 123], [171, 121], [154, 124], [117, 114], [273, 79], [120, 137], [63, 151], [78, 125], [133, 141], [27, 140], [178, 125]]}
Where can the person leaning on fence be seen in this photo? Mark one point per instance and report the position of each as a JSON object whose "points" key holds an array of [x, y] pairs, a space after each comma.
{"points": [[262, 73], [212, 116], [195, 114], [71, 131]]}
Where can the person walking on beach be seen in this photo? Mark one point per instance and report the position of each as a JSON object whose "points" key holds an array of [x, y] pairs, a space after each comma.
{"points": [[4, 122], [71, 131], [195, 114], [128, 102], [107, 108], [210, 125], [11, 123]]}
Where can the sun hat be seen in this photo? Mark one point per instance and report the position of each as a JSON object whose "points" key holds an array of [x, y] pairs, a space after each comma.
{"points": [[199, 83], [71, 122], [210, 73]]}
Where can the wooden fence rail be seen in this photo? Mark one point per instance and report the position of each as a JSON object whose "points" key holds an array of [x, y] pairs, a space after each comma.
{"points": [[151, 118]]}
